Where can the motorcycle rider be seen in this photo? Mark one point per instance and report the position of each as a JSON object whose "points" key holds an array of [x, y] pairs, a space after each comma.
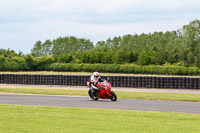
{"points": [[94, 79]]}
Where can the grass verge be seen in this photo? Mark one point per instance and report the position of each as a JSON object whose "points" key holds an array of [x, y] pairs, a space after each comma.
{"points": [[89, 73], [35, 119], [120, 94]]}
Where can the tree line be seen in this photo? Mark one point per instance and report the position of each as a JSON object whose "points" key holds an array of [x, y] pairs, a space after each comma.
{"points": [[171, 48], [180, 47]]}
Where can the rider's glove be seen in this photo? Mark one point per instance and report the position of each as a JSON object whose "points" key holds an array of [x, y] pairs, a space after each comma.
{"points": [[100, 87]]}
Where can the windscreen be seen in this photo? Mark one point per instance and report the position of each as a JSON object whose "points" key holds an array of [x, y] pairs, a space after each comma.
{"points": [[105, 83]]}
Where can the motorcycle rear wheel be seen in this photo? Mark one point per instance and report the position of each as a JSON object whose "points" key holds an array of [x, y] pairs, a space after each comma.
{"points": [[92, 96], [113, 96]]}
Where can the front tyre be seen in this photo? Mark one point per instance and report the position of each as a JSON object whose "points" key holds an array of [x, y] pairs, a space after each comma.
{"points": [[113, 96], [92, 95]]}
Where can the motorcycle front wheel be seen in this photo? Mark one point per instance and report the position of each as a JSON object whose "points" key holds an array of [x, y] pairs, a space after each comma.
{"points": [[113, 96], [92, 95]]}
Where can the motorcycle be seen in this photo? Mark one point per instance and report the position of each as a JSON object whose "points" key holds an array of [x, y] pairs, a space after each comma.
{"points": [[104, 91]]}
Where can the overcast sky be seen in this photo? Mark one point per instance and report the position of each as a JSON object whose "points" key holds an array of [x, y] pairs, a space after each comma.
{"points": [[23, 22]]}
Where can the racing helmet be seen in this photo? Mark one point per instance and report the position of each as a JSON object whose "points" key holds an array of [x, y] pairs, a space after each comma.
{"points": [[96, 75]]}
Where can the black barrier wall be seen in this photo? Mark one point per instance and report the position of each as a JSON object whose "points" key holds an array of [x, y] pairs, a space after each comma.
{"points": [[116, 81]]}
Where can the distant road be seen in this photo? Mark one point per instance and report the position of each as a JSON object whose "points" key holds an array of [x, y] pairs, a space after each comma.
{"points": [[86, 102]]}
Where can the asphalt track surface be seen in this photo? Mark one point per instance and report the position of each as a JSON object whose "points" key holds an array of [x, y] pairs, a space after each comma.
{"points": [[86, 102]]}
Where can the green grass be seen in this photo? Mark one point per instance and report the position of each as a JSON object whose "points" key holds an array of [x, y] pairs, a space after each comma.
{"points": [[120, 94], [159, 96], [35, 119], [87, 73]]}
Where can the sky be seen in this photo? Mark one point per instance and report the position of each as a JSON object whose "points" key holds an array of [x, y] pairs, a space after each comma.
{"points": [[23, 22]]}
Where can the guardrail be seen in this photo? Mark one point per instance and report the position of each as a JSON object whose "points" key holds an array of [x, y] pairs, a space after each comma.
{"points": [[116, 81]]}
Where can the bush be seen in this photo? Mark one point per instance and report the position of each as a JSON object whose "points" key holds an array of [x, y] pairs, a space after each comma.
{"points": [[43, 63], [47, 63], [13, 64], [30, 62], [126, 68]]}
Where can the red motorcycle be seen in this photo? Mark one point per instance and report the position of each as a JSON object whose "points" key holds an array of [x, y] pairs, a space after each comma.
{"points": [[104, 91]]}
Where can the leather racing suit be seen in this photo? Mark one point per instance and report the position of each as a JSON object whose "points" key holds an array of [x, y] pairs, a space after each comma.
{"points": [[93, 81]]}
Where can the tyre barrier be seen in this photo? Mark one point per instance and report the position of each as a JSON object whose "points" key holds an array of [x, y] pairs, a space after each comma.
{"points": [[116, 81]]}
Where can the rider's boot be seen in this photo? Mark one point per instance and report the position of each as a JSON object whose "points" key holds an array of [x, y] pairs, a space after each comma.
{"points": [[94, 93]]}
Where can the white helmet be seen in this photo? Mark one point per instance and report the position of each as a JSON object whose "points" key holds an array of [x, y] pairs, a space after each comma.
{"points": [[96, 75]]}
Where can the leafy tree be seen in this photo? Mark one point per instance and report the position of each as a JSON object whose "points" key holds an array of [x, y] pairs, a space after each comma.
{"points": [[37, 49], [132, 57], [144, 59], [8, 53], [115, 42], [190, 39], [70, 44], [85, 57], [46, 48]]}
